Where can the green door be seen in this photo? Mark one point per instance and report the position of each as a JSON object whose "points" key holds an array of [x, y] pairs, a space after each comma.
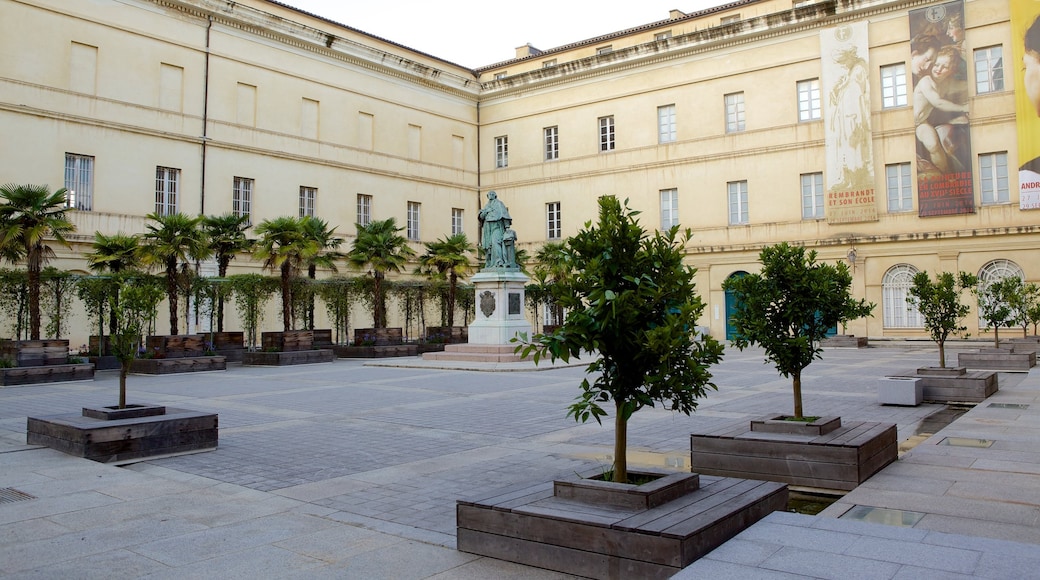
{"points": [[731, 308]]}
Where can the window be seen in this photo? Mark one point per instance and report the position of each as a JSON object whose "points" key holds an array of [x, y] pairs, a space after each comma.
{"points": [[457, 221], [308, 197], [552, 143], [242, 197], [993, 177], [553, 226], [605, 50], [900, 192], [734, 112], [501, 75], [738, 203], [989, 70], [809, 100], [666, 124], [730, 19], [663, 35], [606, 133], [812, 196], [893, 86], [994, 271], [502, 151], [895, 288], [79, 181], [549, 63], [167, 180], [669, 208], [364, 209], [413, 220]]}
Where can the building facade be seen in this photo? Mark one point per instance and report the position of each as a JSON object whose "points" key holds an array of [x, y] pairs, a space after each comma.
{"points": [[880, 133]]}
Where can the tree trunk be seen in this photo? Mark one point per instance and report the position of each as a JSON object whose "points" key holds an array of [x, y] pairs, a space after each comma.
{"points": [[171, 293], [620, 446], [34, 293], [796, 383], [942, 354], [453, 280], [379, 303], [222, 272], [996, 336], [286, 296], [124, 369], [312, 273]]}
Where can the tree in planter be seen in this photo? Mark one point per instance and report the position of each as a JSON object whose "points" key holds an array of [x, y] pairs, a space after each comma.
{"points": [[173, 241], [939, 303], [14, 300], [29, 215], [227, 238], [338, 295], [635, 304], [139, 299], [994, 300], [284, 246], [94, 293], [114, 254], [411, 298], [327, 256], [1024, 299], [789, 306], [447, 258], [379, 248], [58, 287], [251, 292], [551, 266]]}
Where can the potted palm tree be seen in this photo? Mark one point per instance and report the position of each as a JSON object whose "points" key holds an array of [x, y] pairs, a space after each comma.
{"points": [[379, 248], [328, 254], [447, 258], [227, 239], [173, 241], [112, 254]]}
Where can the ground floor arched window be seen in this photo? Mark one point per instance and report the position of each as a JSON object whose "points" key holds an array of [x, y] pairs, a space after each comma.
{"points": [[998, 270], [895, 288]]}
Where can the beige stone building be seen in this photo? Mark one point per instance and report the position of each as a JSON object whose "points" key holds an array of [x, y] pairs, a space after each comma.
{"points": [[738, 122]]}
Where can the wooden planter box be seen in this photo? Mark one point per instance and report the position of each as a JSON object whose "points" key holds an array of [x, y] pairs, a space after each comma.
{"points": [[600, 529], [844, 341], [290, 341], [322, 337], [124, 435], [379, 336], [106, 345], [297, 357], [35, 353], [104, 363], [841, 459], [181, 345], [998, 359], [166, 366], [378, 351], [954, 384], [46, 374], [228, 340], [447, 334]]}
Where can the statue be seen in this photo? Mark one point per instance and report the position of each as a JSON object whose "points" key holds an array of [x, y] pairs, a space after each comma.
{"points": [[498, 246]]}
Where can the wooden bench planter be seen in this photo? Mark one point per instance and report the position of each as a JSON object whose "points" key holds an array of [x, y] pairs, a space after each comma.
{"points": [[166, 366], [998, 359], [46, 374], [447, 334], [102, 349], [322, 337], [841, 459], [181, 345], [378, 336], [35, 353], [229, 345], [954, 384], [844, 341], [378, 351], [112, 435], [290, 341], [299, 357], [601, 529], [106, 362]]}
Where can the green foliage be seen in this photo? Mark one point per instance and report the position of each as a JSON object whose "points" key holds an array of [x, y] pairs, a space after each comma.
{"points": [[227, 238], [338, 294], [447, 258], [56, 292], [633, 303], [172, 242], [284, 246], [1025, 302], [411, 297], [14, 300], [939, 303], [995, 300], [29, 216], [381, 249], [789, 306], [93, 292], [251, 292], [139, 297]]}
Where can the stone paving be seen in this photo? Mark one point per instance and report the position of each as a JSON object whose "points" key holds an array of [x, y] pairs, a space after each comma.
{"points": [[351, 470]]}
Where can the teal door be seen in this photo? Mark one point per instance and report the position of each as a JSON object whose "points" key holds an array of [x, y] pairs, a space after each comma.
{"points": [[731, 308]]}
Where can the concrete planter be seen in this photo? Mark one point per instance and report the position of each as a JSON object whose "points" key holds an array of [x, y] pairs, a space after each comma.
{"points": [[166, 366], [844, 341], [953, 384], [600, 529], [110, 435], [300, 357], [906, 391], [840, 459], [998, 359]]}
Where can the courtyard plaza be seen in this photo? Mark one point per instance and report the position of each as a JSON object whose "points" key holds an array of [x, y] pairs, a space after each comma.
{"points": [[352, 469]]}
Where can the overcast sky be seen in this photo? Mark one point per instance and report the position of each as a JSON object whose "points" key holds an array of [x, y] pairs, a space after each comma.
{"points": [[478, 33]]}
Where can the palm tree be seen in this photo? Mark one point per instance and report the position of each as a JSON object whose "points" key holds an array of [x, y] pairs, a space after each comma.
{"points": [[227, 237], [328, 245], [284, 245], [174, 240], [116, 253], [379, 247], [552, 267], [447, 257], [30, 214]]}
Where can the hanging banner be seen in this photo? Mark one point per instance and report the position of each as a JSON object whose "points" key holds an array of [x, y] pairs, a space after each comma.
{"points": [[940, 83], [1025, 46], [845, 81]]}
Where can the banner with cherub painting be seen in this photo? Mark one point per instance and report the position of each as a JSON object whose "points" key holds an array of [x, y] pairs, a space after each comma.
{"points": [[845, 87], [939, 71], [1025, 48]]}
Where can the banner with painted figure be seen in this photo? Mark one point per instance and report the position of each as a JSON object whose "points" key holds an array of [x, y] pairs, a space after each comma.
{"points": [[848, 139], [1025, 41], [939, 71]]}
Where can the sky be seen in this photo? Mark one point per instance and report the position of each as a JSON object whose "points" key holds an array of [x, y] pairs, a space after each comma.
{"points": [[475, 34]]}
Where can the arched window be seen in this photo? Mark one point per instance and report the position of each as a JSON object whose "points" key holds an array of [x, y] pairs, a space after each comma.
{"points": [[998, 270], [895, 288]]}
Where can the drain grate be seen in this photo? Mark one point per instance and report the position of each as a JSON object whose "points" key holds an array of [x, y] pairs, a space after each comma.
{"points": [[876, 515], [1008, 405], [966, 442], [10, 495]]}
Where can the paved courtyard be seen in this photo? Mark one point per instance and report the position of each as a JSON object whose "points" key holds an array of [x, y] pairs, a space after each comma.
{"points": [[347, 470]]}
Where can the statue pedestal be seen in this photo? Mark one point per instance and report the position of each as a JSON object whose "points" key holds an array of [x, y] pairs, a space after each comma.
{"points": [[500, 307]]}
